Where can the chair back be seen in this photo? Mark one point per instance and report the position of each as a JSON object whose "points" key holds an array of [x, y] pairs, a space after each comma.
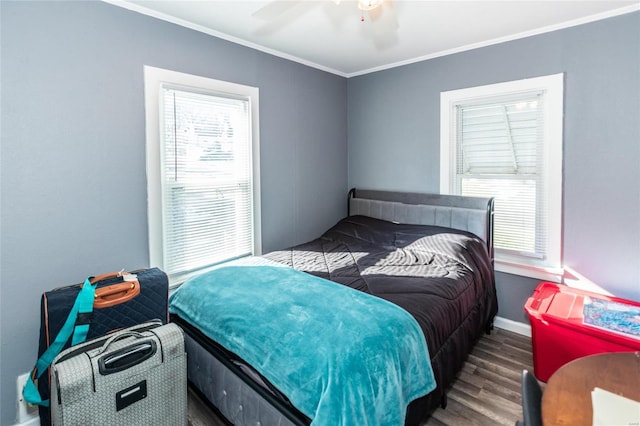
{"points": [[531, 399]]}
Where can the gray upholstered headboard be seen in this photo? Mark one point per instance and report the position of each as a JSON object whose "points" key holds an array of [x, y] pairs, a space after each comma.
{"points": [[472, 214]]}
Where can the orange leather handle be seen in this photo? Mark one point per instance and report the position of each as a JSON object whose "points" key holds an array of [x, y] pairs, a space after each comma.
{"points": [[104, 277], [115, 294]]}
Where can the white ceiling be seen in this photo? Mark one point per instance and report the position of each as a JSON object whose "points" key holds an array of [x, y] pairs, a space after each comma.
{"points": [[332, 37]]}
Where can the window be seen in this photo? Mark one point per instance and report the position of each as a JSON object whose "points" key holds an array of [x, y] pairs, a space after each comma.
{"points": [[202, 171], [505, 141]]}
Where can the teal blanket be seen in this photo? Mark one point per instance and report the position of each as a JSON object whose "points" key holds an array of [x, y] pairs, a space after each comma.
{"points": [[341, 356]]}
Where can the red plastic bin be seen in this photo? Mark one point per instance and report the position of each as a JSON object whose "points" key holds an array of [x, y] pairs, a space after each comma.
{"points": [[559, 334]]}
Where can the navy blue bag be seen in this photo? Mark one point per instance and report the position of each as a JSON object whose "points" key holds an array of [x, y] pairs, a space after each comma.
{"points": [[121, 300]]}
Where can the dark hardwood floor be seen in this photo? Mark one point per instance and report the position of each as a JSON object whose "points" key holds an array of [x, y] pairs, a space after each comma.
{"points": [[486, 392]]}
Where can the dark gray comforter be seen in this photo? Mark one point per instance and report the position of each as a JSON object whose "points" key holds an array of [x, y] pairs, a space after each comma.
{"points": [[443, 277]]}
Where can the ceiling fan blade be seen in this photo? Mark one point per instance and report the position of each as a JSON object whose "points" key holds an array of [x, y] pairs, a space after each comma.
{"points": [[274, 9], [386, 14], [375, 14], [384, 25], [285, 15]]}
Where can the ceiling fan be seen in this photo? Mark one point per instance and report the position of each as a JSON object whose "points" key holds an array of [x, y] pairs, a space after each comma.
{"points": [[275, 8], [379, 14], [366, 6]]}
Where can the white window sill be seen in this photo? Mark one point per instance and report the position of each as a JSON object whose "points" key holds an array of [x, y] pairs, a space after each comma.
{"points": [[537, 272]]}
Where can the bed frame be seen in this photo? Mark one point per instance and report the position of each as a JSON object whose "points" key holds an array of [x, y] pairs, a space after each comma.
{"points": [[237, 392]]}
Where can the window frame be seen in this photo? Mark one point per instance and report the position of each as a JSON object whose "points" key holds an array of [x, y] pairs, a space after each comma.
{"points": [[154, 80], [553, 88]]}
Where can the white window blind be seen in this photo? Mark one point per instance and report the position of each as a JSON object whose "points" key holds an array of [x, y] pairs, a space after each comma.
{"points": [[504, 141], [202, 171], [498, 154], [207, 189]]}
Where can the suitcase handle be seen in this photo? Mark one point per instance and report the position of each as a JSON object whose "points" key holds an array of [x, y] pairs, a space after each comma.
{"points": [[126, 357], [116, 294], [119, 336], [103, 277]]}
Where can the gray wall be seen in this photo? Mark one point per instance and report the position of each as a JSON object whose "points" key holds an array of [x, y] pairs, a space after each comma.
{"points": [[73, 185], [73, 150], [394, 133]]}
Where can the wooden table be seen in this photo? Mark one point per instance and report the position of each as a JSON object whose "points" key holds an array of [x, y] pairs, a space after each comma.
{"points": [[567, 397]]}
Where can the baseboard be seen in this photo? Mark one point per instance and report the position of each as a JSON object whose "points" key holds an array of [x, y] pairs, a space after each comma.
{"points": [[31, 421], [514, 326]]}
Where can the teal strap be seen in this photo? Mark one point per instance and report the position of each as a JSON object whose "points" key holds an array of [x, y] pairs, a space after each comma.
{"points": [[85, 306], [83, 300]]}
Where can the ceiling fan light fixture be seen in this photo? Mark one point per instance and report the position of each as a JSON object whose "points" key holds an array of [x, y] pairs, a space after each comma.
{"points": [[369, 4]]}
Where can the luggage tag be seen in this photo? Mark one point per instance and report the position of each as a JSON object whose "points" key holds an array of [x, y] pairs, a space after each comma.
{"points": [[128, 276]]}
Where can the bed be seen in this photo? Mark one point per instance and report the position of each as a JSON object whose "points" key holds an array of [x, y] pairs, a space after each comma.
{"points": [[430, 255]]}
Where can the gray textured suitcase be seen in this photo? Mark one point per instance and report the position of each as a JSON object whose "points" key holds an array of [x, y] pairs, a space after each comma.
{"points": [[136, 376]]}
